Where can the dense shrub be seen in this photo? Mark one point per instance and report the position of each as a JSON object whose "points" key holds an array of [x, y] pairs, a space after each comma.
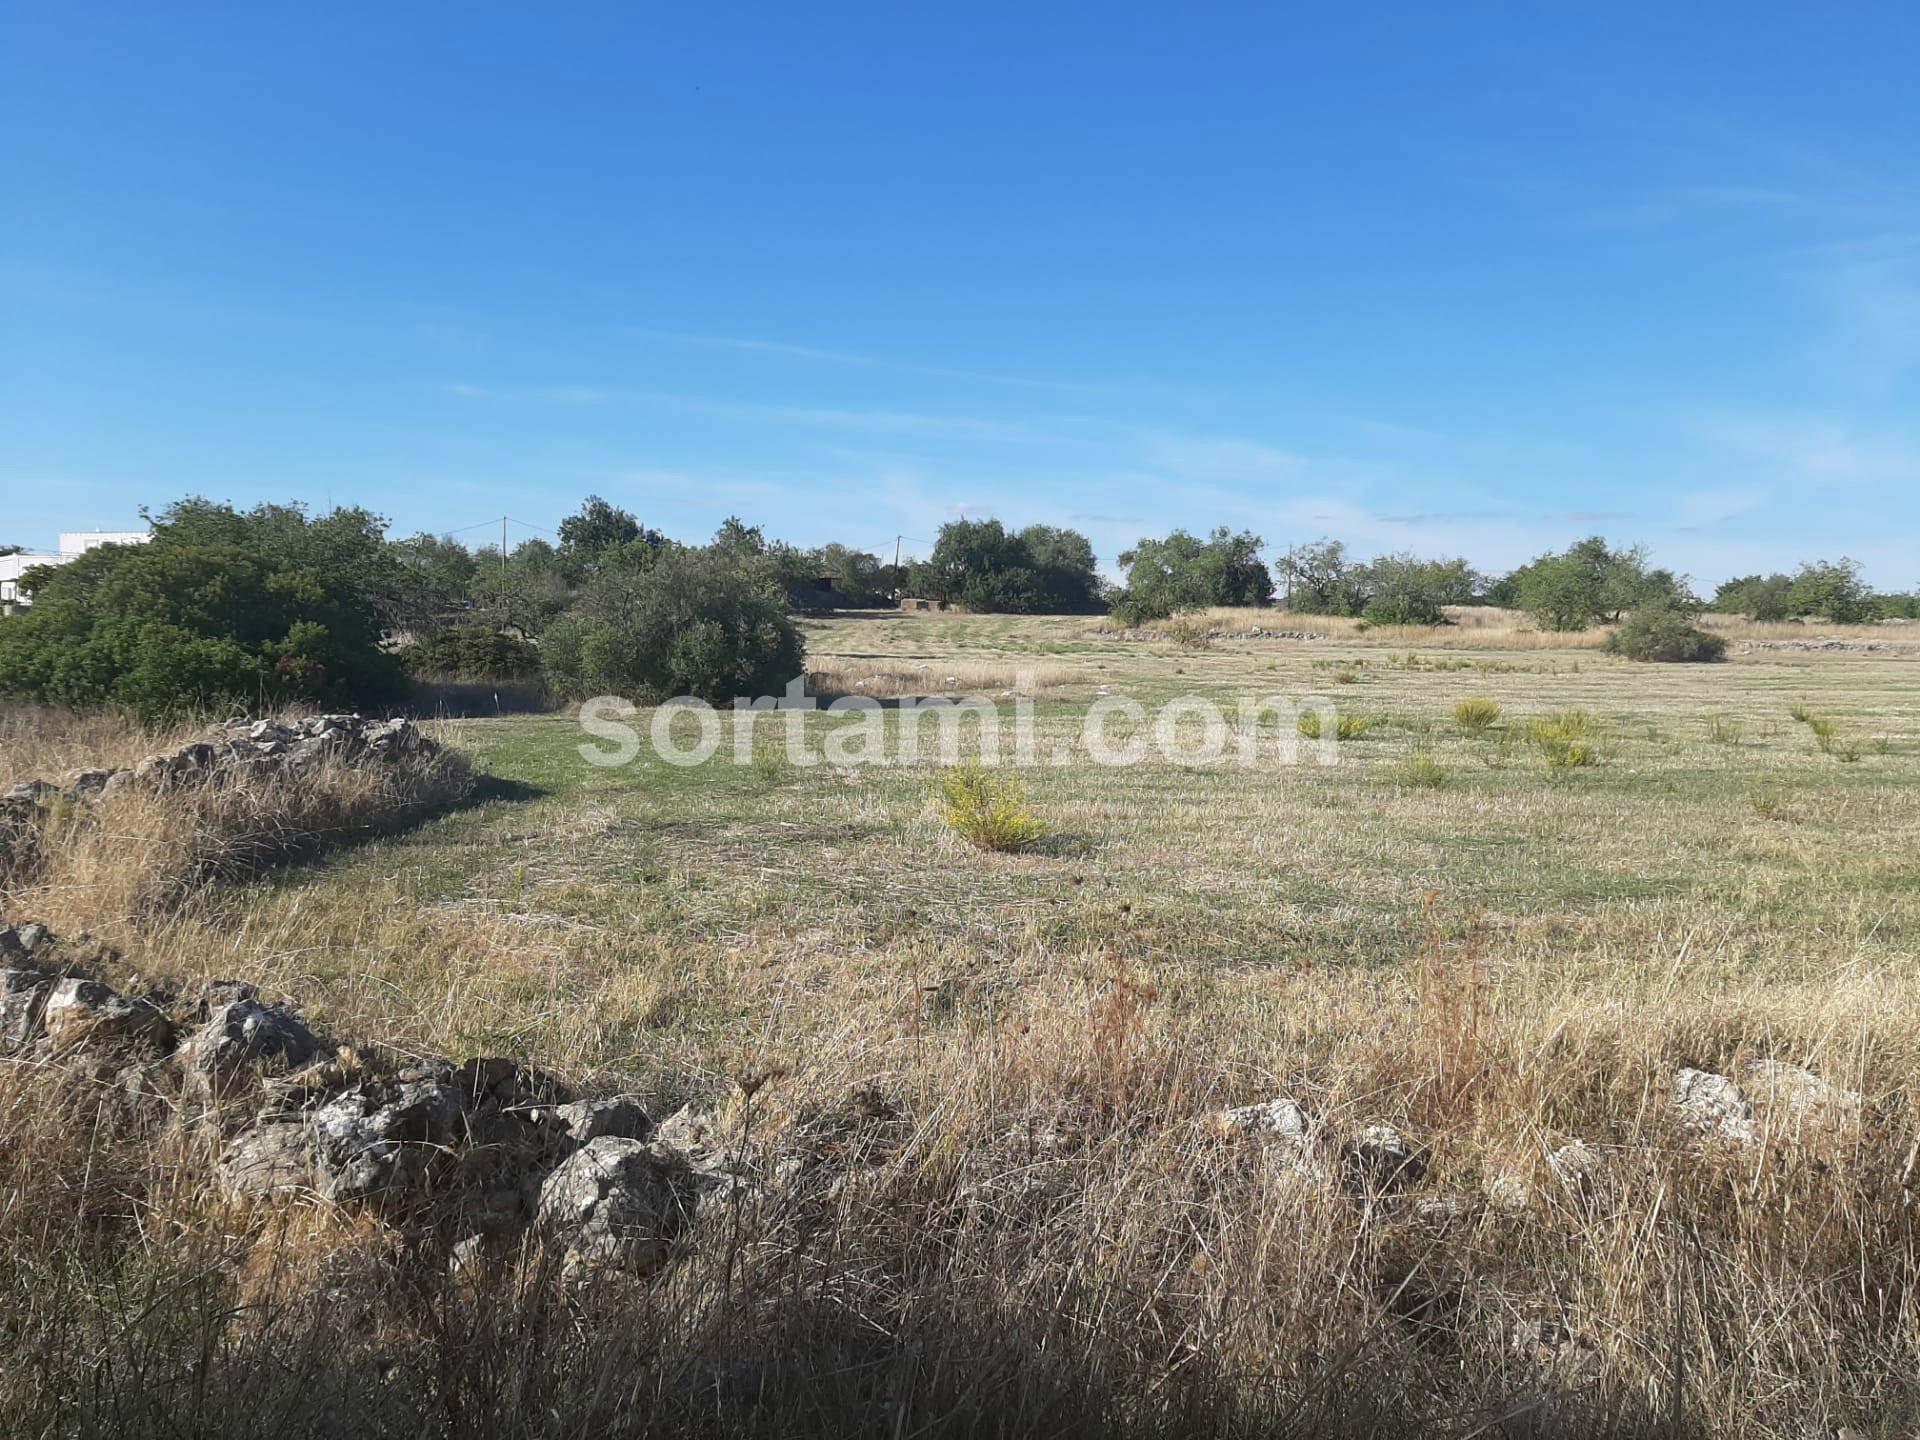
{"points": [[1664, 631], [1131, 610], [1758, 597], [173, 628], [471, 652], [699, 623]]}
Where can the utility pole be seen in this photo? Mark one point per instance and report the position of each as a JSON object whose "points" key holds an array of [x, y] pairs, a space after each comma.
{"points": [[503, 544]]}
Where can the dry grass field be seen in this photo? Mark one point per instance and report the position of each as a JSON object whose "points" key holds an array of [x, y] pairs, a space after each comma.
{"points": [[998, 1075]]}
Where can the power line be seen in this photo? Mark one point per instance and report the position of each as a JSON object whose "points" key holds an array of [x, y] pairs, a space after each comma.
{"points": [[498, 520]]}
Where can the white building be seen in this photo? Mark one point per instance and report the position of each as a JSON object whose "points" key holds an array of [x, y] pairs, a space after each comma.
{"points": [[72, 543]]}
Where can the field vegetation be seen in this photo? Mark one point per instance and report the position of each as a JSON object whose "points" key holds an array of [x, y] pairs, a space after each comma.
{"points": [[999, 1195]]}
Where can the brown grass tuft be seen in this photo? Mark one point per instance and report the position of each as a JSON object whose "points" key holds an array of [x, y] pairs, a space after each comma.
{"points": [[140, 851]]}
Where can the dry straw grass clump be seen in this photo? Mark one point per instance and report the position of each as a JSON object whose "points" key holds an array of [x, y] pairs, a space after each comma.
{"points": [[1422, 770], [139, 847], [1469, 627], [1063, 1224], [886, 680], [1475, 713]]}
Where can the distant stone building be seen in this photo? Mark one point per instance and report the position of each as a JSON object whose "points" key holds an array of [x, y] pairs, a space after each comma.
{"points": [[73, 543]]}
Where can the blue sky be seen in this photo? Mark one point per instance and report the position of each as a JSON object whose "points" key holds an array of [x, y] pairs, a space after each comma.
{"points": [[1462, 279]]}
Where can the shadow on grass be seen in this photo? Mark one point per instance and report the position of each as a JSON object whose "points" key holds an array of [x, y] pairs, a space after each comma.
{"points": [[495, 789]]}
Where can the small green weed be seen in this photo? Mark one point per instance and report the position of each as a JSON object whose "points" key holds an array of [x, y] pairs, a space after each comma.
{"points": [[1421, 771], [1565, 740], [1345, 727], [1724, 729], [988, 808]]}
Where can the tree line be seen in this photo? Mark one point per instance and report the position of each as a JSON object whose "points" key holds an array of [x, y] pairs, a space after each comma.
{"points": [[228, 607]]}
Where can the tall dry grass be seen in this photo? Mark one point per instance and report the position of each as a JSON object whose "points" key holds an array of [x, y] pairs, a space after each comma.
{"points": [[1472, 627], [140, 850], [1488, 627], [891, 679], [1030, 1228]]}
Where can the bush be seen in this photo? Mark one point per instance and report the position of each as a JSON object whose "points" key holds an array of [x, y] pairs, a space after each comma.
{"points": [[1421, 771], [1133, 610], [1403, 610], [1345, 727], [1189, 635], [471, 652], [1764, 598], [1476, 713], [699, 623], [1405, 590], [988, 808], [1565, 739], [1662, 631], [171, 629]]}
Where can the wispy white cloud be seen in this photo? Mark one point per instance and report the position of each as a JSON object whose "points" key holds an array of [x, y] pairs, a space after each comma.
{"points": [[822, 355], [1818, 450]]}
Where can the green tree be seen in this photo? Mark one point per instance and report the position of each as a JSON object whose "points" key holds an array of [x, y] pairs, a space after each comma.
{"points": [[347, 545], [699, 622], [601, 535], [736, 537], [983, 566], [1758, 597], [1322, 580], [1831, 590], [526, 592], [435, 583], [1184, 572], [1065, 571], [1591, 583], [1406, 590]]}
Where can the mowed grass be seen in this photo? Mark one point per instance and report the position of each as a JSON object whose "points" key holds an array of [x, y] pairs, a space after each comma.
{"points": [[1500, 964]]}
